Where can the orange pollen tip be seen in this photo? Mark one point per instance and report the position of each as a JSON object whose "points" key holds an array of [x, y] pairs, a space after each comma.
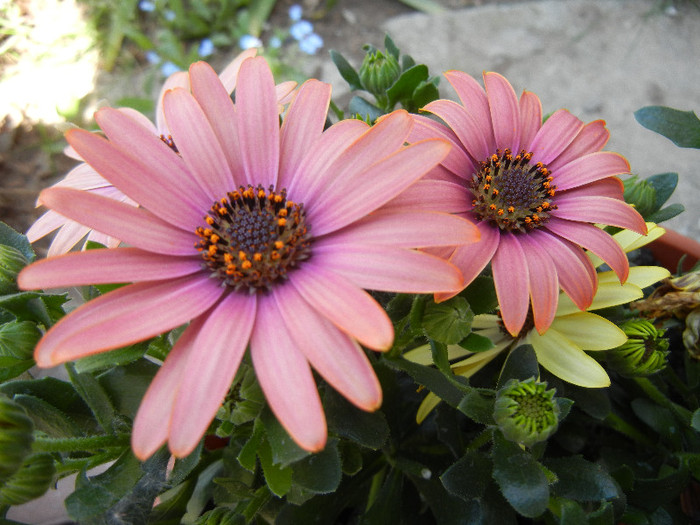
{"points": [[279, 245], [228, 258], [214, 238], [500, 212], [209, 221], [511, 209], [278, 198], [528, 220], [257, 257], [246, 265], [282, 212], [274, 256], [212, 249], [242, 255], [281, 222], [261, 194], [488, 178], [551, 193], [492, 207], [545, 205], [494, 192], [487, 187]]}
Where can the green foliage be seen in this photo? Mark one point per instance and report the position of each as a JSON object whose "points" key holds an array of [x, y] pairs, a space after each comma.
{"points": [[680, 127], [649, 196]]}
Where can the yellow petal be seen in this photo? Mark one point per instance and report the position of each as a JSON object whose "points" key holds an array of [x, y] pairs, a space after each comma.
{"points": [[422, 355], [485, 321], [608, 294], [589, 331], [566, 360], [641, 276], [426, 407]]}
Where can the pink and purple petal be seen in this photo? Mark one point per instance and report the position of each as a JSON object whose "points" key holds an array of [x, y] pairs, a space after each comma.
{"points": [[457, 161], [505, 111], [590, 168], [544, 282], [554, 136], [474, 100], [592, 137], [432, 195], [229, 76], [612, 187], [600, 210], [468, 130], [530, 118], [511, 277]]}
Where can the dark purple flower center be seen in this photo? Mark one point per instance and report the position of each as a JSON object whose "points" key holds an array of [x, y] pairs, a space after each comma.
{"points": [[511, 192], [253, 237], [168, 141]]}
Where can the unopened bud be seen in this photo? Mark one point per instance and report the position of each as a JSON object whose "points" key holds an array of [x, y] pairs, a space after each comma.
{"points": [[643, 354], [641, 195], [379, 71], [15, 436], [11, 263], [32, 479], [526, 412]]}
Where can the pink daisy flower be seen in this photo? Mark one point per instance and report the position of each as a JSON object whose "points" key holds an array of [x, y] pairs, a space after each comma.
{"points": [[534, 190], [259, 236], [84, 177]]}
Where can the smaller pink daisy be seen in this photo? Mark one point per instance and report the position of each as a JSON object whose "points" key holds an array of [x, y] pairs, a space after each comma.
{"points": [[536, 192]]}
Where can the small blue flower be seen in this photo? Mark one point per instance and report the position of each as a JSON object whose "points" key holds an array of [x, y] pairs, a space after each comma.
{"points": [[311, 43], [295, 12], [275, 42], [169, 15], [168, 68], [147, 6], [206, 47], [301, 29], [249, 41], [152, 57]]}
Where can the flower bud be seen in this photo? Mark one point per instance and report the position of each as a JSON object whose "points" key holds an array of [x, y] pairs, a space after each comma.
{"points": [[11, 262], [218, 516], [34, 477], [643, 354], [641, 195], [15, 436], [378, 71], [525, 411], [691, 334]]}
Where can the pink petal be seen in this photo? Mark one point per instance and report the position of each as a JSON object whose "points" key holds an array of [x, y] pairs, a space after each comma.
{"points": [[258, 122], [229, 76], [83, 177], [179, 79], [338, 358], [457, 161], [554, 136], [432, 195], [314, 173], [600, 210], [140, 118], [125, 316], [218, 108], [577, 276], [285, 376], [590, 168], [348, 307], [197, 143], [352, 198], [530, 118], [211, 367], [44, 225], [544, 283], [591, 138], [142, 167], [152, 422], [123, 265], [70, 234], [302, 127], [474, 100], [135, 226], [389, 269], [511, 277], [611, 187], [466, 127], [594, 239], [505, 111], [473, 258], [285, 93]]}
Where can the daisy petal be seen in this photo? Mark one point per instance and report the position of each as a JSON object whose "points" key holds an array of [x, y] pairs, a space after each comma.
{"points": [[457, 161], [179, 79], [141, 119], [511, 277], [566, 360], [338, 359], [464, 125], [211, 367], [229, 75], [70, 234], [105, 266], [348, 307], [544, 283], [530, 118], [258, 122], [125, 316], [474, 100], [589, 331], [600, 210], [590, 168], [612, 187], [44, 225], [152, 422], [554, 136], [641, 276], [134, 226], [505, 111], [285, 377], [431, 195], [607, 295], [591, 138]]}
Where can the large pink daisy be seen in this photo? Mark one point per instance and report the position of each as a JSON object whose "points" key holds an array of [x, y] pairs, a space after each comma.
{"points": [[259, 236], [84, 177], [535, 191]]}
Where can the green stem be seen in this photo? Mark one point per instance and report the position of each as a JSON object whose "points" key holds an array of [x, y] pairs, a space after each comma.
{"points": [[659, 398], [79, 444], [72, 465], [623, 427], [480, 440]]}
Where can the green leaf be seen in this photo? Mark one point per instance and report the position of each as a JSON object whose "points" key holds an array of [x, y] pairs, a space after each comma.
{"points": [[520, 478], [104, 360], [259, 13], [94, 396], [126, 385], [593, 401], [351, 458], [520, 364], [18, 339], [476, 343], [386, 505], [681, 127], [346, 70], [649, 494], [481, 294], [659, 418], [10, 237], [669, 212], [695, 420], [448, 322], [424, 93], [406, 84], [581, 480], [571, 513], [247, 455], [11, 367], [284, 450], [426, 6], [279, 478], [363, 108], [47, 418], [478, 405], [391, 46], [369, 429], [434, 380], [469, 476], [321, 472], [664, 184]]}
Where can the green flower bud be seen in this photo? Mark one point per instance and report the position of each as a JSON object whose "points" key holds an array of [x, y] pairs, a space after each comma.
{"points": [[641, 195], [11, 262], [15, 436], [525, 411], [18, 339], [378, 72], [643, 354], [691, 334], [34, 477], [220, 516]]}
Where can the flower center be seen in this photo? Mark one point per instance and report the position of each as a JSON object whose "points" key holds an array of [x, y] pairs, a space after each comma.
{"points": [[511, 192], [168, 141], [253, 237]]}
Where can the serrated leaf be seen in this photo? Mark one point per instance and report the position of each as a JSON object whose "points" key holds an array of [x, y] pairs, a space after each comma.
{"points": [[94, 397], [649, 494], [18, 339], [434, 380], [104, 360], [247, 455], [283, 448], [469, 476], [659, 418], [478, 406], [369, 429], [346, 70], [11, 367], [476, 343], [406, 84], [126, 385], [581, 480], [321, 472], [47, 418], [520, 364], [278, 478], [424, 93], [11, 237], [680, 127], [520, 478], [481, 294], [448, 322], [363, 108]]}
